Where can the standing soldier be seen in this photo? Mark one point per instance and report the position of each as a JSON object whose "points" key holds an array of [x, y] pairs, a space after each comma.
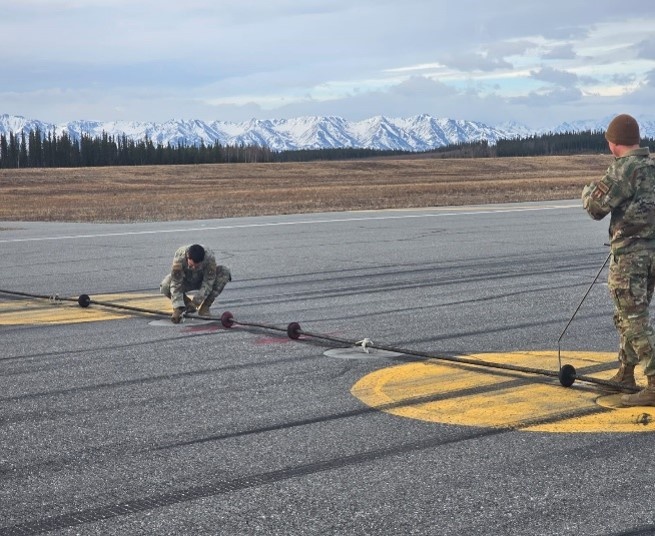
{"points": [[627, 192], [194, 268]]}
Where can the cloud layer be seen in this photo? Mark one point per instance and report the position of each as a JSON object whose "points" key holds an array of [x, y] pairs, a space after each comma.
{"points": [[532, 62]]}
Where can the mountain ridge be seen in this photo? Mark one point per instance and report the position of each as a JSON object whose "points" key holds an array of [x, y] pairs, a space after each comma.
{"points": [[416, 133]]}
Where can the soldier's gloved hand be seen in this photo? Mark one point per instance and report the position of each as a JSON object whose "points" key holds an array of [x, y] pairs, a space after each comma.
{"points": [[176, 318]]}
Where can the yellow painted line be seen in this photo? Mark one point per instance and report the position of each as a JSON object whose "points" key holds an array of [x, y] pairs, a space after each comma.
{"points": [[538, 399], [18, 312]]}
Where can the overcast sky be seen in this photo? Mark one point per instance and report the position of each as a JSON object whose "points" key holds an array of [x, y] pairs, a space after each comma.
{"points": [[539, 63]]}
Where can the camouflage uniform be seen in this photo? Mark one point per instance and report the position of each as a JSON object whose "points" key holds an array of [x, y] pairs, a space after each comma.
{"points": [[208, 279], [627, 191]]}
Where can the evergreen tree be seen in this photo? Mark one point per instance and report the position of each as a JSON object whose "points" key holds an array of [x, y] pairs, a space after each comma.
{"points": [[4, 152]]}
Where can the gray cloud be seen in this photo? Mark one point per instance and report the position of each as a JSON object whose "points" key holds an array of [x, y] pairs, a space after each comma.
{"points": [[561, 52], [640, 102], [154, 60], [555, 76], [553, 97], [623, 79], [474, 62], [502, 49], [566, 32], [646, 49]]}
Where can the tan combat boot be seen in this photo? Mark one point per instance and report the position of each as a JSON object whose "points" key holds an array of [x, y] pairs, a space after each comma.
{"points": [[625, 376], [645, 397], [204, 307]]}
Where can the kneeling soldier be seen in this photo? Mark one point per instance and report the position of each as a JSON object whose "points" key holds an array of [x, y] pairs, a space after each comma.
{"points": [[194, 268]]}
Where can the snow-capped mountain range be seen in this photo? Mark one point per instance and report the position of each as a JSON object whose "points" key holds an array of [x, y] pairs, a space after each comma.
{"points": [[418, 133]]}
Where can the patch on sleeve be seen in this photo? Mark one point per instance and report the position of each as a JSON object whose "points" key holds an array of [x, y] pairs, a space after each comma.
{"points": [[604, 188], [601, 190]]}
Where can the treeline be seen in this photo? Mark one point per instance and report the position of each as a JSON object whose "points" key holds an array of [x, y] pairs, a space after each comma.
{"points": [[565, 143], [50, 150], [344, 153]]}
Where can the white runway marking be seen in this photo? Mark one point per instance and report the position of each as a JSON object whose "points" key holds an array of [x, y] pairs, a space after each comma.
{"points": [[462, 211]]}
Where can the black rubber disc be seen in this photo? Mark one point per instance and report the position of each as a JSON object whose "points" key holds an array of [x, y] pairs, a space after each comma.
{"points": [[83, 300], [293, 330], [567, 375], [227, 319]]}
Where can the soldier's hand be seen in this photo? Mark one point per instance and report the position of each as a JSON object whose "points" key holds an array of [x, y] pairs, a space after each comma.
{"points": [[176, 318]]}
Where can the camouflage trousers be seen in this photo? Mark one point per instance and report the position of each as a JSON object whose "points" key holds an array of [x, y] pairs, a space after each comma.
{"points": [[631, 282]]}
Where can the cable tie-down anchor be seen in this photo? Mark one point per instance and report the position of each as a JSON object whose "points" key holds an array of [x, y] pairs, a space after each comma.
{"points": [[364, 343]]}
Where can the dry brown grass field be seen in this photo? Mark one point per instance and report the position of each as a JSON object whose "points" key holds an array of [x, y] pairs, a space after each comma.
{"points": [[165, 193]]}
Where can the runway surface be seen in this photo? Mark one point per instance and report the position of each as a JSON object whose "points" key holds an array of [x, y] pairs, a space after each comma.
{"points": [[115, 423]]}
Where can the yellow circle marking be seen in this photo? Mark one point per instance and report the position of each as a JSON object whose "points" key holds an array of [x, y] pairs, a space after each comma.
{"points": [[17, 312], [443, 392]]}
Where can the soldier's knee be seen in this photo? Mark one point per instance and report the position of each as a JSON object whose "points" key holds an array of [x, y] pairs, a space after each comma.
{"points": [[223, 273], [223, 276], [165, 286]]}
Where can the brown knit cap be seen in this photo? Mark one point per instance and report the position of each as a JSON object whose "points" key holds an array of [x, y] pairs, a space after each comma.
{"points": [[623, 130]]}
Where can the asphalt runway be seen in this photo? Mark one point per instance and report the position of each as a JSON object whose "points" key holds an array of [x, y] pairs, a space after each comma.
{"points": [[116, 424]]}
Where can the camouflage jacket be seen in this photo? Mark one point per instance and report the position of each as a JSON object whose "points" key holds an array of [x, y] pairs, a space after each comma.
{"points": [[184, 278], [627, 191]]}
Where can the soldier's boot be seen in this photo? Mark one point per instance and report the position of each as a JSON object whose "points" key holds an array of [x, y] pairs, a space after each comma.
{"points": [[625, 376], [205, 305], [645, 397], [188, 303], [178, 313]]}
